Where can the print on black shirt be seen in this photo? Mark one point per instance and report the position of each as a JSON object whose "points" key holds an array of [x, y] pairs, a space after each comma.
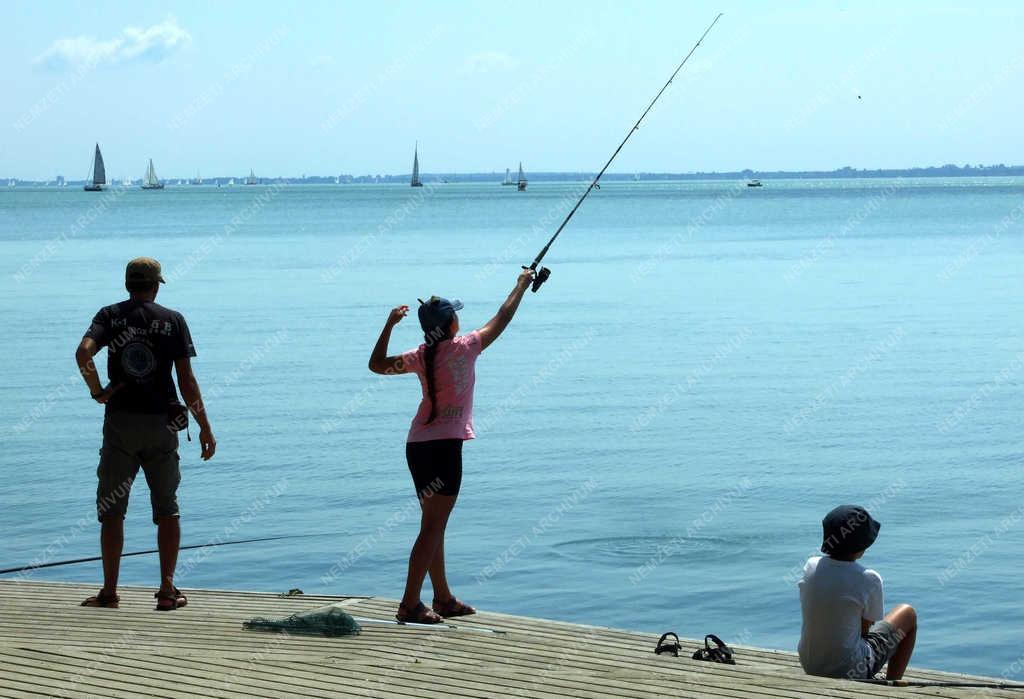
{"points": [[142, 339]]}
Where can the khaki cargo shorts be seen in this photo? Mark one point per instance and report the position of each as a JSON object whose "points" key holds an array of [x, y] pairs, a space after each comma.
{"points": [[131, 441]]}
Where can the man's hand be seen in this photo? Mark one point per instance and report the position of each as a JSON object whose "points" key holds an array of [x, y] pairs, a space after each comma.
{"points": [[396, 315], [208, 444], [104, 395]]}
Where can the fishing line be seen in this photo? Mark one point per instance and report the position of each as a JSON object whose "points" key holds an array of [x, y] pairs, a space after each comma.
{"points": [[544, 272], [36, 566]]}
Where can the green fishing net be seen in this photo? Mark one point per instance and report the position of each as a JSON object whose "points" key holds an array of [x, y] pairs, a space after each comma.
{"points": [[325, 621]]}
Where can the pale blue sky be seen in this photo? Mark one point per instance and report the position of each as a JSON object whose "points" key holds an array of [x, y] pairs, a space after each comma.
{"points": [[322, 88]]}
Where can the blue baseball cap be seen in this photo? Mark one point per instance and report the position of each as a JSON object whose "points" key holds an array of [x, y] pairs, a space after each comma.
{"points": [[437, 312], [848, 529]]}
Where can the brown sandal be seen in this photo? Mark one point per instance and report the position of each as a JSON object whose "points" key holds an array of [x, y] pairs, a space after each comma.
{"points": [[102, 599], [166, 601], [452, 607], [417, 615]]}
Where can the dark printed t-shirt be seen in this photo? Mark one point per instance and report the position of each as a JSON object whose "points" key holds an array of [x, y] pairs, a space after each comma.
{"points": [[142, 339]]}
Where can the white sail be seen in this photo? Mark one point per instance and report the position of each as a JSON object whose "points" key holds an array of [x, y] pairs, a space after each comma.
{"points": [[416, 167], [150, 181], [521, 182], [508, 177], [252, 179]]}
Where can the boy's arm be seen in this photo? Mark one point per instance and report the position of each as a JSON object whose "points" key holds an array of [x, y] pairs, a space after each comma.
{"points": [[875, 609]]}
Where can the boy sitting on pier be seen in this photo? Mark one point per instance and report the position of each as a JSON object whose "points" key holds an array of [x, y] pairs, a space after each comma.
{"points": [[843, 633]]}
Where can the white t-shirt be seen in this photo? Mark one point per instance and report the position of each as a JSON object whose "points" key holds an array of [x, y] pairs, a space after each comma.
{"points": [[835, 596]]}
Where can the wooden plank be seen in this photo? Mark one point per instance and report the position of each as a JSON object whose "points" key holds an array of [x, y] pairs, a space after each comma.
{"points": [[46, 639]]}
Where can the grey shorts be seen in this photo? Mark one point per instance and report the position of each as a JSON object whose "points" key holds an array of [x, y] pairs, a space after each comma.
{"points": [[131, 441], [883, 638]]}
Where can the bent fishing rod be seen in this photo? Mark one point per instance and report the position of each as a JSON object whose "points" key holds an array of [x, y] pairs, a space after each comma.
{"points": [[53, 564], [543, 273]]}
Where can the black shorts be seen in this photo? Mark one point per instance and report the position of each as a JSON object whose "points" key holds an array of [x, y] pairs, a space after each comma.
{"points": [[436, 466], [131, 440]]}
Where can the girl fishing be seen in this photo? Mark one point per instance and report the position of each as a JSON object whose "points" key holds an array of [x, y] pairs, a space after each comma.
{"points": [[445, 364]]}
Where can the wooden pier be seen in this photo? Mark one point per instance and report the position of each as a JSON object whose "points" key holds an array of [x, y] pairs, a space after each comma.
{"points": [[49, 646]]}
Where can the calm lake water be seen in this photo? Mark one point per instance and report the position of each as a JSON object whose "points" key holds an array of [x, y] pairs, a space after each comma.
{"points": [[708, 371]]}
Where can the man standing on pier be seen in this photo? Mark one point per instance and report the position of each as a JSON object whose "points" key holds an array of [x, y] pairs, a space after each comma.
{"points": [[140, 426]]}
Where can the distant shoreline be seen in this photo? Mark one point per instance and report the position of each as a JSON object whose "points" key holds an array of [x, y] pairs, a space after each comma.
{"points": [[573, 176]]}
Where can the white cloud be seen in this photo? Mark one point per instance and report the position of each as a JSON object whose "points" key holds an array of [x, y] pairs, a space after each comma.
{"points": [[487, 61], [149, 44]]}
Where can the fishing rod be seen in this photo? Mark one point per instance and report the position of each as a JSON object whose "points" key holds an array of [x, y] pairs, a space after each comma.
{"points": [[429, 627], [941, 683], [36, 566], [543, 273]]}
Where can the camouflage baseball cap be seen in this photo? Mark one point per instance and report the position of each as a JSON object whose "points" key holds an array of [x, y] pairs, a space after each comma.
{"points": [[143, 269]]}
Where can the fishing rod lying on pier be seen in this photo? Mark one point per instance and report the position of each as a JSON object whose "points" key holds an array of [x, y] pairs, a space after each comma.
{"points": [[941, 683], [543, 273], [36, 566]]}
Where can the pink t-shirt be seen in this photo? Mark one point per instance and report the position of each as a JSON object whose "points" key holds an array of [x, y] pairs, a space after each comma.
{"points": [[454, 378]]}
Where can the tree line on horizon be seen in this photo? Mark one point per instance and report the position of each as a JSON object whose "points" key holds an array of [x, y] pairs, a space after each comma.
{"points": [[948, 170]]}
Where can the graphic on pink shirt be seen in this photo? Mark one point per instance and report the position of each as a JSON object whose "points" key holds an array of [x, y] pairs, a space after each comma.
{"points": [[454, 379]]}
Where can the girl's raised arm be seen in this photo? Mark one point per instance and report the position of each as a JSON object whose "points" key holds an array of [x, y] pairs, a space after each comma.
{"points": [[496, 325], [380, 363]]}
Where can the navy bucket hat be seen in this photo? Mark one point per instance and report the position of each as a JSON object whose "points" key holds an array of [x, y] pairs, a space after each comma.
{"points": [[848, 529], [436, 313]]}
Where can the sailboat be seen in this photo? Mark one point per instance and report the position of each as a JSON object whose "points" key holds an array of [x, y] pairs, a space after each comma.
{"points": [[416, 167], [508, 178], [126, 181], [150, 181], [198, 179], [231, 182], [98, 176], [521, 182], [252, 179]]}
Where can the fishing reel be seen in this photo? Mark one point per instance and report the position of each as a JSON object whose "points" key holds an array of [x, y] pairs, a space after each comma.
{"points": [[542, 276]]}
